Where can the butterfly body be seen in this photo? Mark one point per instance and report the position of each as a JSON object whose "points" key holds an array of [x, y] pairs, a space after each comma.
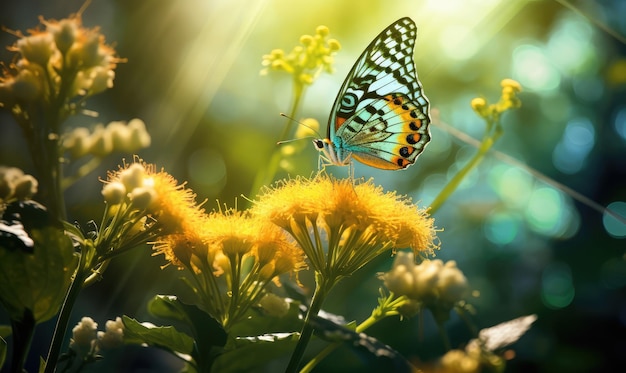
{"points": [[380, 116]]}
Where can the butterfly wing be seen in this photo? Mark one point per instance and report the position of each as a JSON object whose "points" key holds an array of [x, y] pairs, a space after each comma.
{"points": [[381, 114]]}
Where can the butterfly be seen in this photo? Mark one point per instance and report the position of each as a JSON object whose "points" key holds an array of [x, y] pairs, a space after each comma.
{"points": [[381, 115]]}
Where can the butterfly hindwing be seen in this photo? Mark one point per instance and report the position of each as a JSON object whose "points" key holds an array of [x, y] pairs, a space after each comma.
{"points": [[380, 116]]}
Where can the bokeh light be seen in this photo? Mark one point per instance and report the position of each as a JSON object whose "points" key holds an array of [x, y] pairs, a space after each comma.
{"points": [[571, 152], [557, 288], [613, 226]]}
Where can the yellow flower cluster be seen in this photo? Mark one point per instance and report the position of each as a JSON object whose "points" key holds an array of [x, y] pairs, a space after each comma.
{"points": [[103, 140], [306, 61], [63, 61], [232, 257], [434, 284], [342, 226], [508, 100]]}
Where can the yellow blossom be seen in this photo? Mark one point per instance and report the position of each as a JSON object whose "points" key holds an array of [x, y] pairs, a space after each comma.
{"points": [[508, 100], [307, 60], [232, 256], [342, 226]]}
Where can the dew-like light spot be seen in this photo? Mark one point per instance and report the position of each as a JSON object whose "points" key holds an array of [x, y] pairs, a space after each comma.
{"points": [[613, 225], [502, 228], [533, 69], [578, 139], [620, 122], [557, 288], [207, 169]]}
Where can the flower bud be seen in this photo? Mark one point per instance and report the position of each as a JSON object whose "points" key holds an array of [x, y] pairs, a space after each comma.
{"points": [[37, 48], [25, 187], [102, 144], [139, 137], [142, 197], [113, 336], [64, 33], [27, 85], [133, 177], [83, 334], [114, 193]]}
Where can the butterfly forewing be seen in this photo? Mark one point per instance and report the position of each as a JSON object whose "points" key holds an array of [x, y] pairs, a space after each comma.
{"points": [[380, 116]]}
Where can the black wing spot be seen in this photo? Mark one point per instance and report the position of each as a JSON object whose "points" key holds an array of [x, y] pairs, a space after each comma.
{"points": [[405, 151]]}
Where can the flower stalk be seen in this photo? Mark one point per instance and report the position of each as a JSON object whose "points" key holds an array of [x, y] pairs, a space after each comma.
{"points": [[492, 115]]}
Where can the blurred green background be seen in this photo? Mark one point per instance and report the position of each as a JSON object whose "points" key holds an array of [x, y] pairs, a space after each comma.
{"points": [[193, 76]]}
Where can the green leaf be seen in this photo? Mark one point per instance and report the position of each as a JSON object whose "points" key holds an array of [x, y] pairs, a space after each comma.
{"points": [[5, 331], [37, 281], [3, 352], [165, 337], [258, 351], [207, 331], [168, 307], [257, 323]]}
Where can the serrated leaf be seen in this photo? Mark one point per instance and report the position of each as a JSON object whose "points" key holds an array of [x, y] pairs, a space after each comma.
{"points": [[165, 337]]}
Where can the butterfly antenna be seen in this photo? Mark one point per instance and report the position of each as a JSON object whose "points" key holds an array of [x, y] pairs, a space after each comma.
{"points": [[303, 125]]}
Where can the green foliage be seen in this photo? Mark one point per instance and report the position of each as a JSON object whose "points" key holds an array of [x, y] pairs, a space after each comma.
{"points": [[165, 337], [37, 281]]}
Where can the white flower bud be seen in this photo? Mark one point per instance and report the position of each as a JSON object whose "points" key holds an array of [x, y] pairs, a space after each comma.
{"points": [[113, 336], [83, 334], [142, 197], [133, 177], [102, 144], [26, 187], [114, 193]]}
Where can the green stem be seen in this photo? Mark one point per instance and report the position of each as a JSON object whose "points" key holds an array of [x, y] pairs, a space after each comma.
{"points": [[66, 311], [22, 331], [486, 144], [379, 313], [322, 288], [444, 336], [265, 177]]}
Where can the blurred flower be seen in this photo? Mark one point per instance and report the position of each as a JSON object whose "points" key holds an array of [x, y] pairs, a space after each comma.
{"points": [[84, 336], [113, 336], [342, 226], [116, 136], [306, 61], [508, 100], [435, 285], [64, 55], [232, 257], [14, 184]]}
